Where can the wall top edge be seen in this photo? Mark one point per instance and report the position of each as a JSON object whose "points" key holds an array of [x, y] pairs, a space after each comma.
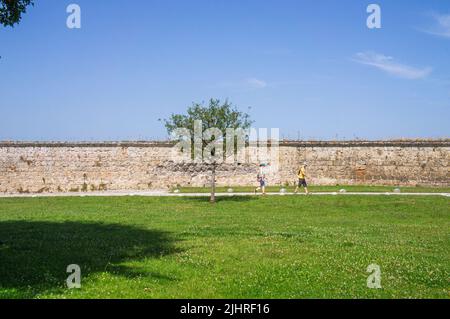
{"points": [[350, 143]]}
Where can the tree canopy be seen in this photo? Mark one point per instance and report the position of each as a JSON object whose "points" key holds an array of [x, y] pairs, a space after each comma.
{"points": [[215, 115], [11, 11]]}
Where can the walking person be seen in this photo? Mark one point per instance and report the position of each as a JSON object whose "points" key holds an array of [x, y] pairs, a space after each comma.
{"points": [[261, 178], [301, 174]]}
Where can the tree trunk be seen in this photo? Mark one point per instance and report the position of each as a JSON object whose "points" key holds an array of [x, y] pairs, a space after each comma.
{"points": [[213, 184]]}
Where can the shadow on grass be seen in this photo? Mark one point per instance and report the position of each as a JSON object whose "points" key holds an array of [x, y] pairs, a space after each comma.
{"points": [[219, 199], [34, 255]]}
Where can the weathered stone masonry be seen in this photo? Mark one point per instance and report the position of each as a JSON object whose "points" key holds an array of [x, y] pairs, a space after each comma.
{"points": [[71, 167]]}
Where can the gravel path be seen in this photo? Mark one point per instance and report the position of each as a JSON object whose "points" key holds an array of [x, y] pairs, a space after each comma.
{"points": [[167, 194]]}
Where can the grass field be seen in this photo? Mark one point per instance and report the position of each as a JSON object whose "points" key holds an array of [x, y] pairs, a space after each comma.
{"points": [[348, 188], [252, 247]]}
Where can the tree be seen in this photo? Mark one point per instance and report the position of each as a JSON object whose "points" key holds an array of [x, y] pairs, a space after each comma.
{"points": [[11, 11], [217, 115]]}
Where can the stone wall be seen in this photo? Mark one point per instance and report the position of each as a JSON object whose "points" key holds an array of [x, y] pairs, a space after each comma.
{"points": [[72, 167]]}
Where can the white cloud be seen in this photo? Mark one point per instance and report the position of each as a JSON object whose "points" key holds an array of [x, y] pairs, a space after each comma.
{"points": [[256, 83], [441, 25], [248, 83], [390, 66]]}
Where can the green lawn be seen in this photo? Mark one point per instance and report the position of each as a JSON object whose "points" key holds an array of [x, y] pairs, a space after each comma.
{"points": [[252, 247], [348, 188]]}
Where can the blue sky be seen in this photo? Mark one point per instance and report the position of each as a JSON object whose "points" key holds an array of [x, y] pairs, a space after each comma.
{"points": [[311, 68]]}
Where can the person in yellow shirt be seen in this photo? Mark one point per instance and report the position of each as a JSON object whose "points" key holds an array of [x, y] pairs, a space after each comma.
{"points": [[301, 174]]}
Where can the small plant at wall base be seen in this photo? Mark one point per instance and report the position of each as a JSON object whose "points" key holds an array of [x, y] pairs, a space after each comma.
{"points": [[216, 114]]}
